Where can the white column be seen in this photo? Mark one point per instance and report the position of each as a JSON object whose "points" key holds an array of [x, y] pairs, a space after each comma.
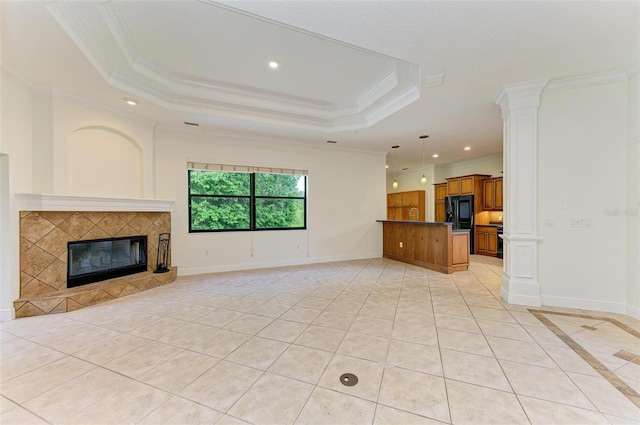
{"points": [[519, 104]]}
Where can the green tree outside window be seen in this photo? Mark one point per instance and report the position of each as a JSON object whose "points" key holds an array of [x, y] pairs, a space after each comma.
{"points": [[220, 201]]}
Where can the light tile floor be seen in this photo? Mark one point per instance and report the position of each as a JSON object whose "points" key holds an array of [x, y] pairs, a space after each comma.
{"points": [[268, 347]]}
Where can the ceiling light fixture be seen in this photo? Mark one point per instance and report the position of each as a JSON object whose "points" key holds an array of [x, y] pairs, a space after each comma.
{"points": [[435, 155], [467, 148], [130, 102], [273, 64], [423, 179], [395, 165]]}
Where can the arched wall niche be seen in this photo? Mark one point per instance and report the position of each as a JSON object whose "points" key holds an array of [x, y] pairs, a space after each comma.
{"points": [[104, 161]]}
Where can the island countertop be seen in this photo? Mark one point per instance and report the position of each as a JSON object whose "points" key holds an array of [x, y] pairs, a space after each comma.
{"points": [[434, 246], [428, 223]]}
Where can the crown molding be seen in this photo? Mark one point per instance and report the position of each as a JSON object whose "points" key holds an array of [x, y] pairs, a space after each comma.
{"points": [[586, 81], [111, 110], [475, 160], [520, 96], [72, 24], [15, 75], [253, 137]]}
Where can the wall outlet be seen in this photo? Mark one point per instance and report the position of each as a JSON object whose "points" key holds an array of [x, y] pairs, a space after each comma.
{"points": [[549, 222], [580, 222], [400, 244]]}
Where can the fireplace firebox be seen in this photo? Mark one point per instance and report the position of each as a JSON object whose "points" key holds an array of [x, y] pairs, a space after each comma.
{"points": [[96, 260]]}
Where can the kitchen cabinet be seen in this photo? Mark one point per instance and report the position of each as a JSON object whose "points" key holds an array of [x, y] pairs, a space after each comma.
{"points": [[464, 185], [498, 194], [492, 194], [453, 187], [435, 246], [440, 194], [400, 204], [486, 240]]}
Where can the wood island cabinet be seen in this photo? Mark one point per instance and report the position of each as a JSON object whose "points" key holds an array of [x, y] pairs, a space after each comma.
{"points": [[433, 246], [486, 240]]}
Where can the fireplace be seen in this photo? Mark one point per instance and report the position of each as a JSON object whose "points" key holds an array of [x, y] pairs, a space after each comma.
{"points": [[95, 260]]}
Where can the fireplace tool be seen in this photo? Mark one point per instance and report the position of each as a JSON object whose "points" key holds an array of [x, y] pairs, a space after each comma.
{"points": [[162, 260]]}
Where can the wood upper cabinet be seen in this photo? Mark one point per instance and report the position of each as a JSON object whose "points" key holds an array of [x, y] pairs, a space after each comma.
{"points": [[453, 187], [400, 204], [466, 185], [492, 196], [498, 194], [440, 190], [440, 193]]}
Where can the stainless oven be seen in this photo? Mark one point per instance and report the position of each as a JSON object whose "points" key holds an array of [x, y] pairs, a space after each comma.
{"points": [[499, 241]]}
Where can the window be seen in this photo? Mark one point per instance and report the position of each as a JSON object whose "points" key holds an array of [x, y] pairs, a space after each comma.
{"points": [[234, 201]]}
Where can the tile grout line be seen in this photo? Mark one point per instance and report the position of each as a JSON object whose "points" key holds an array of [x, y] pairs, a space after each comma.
{"points": [[605, 372]]}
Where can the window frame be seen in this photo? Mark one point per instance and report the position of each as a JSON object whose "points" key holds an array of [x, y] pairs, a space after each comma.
{"points": [[252, 203]]}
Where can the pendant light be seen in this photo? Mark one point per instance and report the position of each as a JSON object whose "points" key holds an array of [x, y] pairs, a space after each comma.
{"points": [[423, 179], [395, 166]]}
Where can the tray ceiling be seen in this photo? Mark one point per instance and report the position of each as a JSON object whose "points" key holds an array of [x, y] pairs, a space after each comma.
{"points": [[207, 58]]}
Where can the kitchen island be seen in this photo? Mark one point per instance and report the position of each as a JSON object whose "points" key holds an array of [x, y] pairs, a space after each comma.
{"points": [[434, 246]]}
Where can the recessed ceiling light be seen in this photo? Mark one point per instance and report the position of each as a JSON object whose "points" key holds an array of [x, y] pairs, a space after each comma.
{"points": [[467, 148], [273, 64], [386, 166], [435, 155], [424, 136], [130, 102]]}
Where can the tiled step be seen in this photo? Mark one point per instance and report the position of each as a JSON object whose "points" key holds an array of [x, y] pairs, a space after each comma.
{"points": [[93, 293]]}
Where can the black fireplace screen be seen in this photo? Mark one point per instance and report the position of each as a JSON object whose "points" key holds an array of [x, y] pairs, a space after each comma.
{"points": [[100, 259]]}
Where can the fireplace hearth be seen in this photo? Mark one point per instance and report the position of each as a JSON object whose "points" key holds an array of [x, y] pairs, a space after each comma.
{"points": [[90, 261]]}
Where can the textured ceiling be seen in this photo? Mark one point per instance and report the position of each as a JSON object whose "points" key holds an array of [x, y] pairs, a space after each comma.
{"points": [[465, 52]]}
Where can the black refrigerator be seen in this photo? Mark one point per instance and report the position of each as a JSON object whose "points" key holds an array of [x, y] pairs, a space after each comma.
{"points": [[460, 212]]}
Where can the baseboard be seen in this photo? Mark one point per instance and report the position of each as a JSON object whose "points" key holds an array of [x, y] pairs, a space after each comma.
{"points": [[527, 300], [527, 296], [6, 315], [584, 304], [633, 311], [189, 271]]}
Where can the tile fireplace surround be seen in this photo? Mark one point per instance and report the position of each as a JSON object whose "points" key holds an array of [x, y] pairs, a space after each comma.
{"points": [[48, 222]]}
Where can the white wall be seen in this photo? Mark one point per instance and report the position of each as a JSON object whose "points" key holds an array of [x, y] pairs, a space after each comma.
{"points": [[16, 136], [104, 162], [582, 148], [345, 197], [42, 143], [5, 241], [490, 165], [70, 116], [633, 197]]}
